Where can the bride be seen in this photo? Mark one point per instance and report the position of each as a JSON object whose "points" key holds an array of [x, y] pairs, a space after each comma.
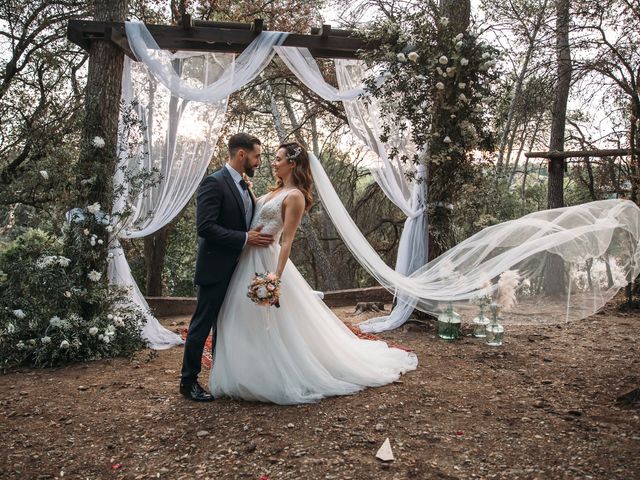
{"points": [[300, 352]]}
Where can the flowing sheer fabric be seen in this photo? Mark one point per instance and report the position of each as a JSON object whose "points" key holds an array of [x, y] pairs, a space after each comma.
{"points": [[248, 65], [174, 136], [597, 242], [409, 196], [181, 99]]}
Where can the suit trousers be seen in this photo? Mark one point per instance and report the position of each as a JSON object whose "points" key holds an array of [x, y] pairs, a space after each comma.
{"points": [[203, 322]]}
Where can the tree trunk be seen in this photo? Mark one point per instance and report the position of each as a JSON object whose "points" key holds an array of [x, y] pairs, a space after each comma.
{"points": [[102, 108], [155, 252], [440, 189], [517, 91], [554, 272], [559, 110]]}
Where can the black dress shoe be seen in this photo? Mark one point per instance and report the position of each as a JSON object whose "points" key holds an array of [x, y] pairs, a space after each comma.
{"points": [[195, 392]]}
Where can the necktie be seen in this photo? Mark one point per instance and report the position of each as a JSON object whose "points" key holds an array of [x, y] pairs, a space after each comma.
{"points": [[246, 199]]}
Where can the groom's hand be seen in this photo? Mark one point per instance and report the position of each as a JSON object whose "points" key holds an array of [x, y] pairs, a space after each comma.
{"points": [[257, 239]]}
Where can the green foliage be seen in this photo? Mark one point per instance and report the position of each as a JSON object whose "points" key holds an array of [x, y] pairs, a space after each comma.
{"points": [[435, 85], [52, 313]]}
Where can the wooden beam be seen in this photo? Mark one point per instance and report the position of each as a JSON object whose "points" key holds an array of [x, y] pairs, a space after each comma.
{"points": [[191, 37], [615, 152]]}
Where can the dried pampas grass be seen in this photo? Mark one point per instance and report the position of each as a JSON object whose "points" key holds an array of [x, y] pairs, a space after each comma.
{"points": [[507, 284]]}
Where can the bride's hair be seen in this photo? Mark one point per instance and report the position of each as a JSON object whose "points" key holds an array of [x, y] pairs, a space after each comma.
{"points": [[301, 173]]}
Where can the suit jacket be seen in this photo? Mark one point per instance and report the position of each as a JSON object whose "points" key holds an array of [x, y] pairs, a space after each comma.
{"points": [[221, 226]]}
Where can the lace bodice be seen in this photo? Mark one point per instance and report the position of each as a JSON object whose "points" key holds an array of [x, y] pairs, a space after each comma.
{"points": [[269, 213]]}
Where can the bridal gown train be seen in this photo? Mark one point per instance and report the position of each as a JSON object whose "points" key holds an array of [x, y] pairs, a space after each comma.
{"points": [[300, 352]]}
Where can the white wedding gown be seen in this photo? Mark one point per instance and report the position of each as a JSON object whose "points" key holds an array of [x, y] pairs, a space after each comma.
{"points": [[300, 352]]}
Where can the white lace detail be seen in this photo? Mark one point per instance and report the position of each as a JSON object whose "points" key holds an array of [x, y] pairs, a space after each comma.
{"points": [[269, 213]]}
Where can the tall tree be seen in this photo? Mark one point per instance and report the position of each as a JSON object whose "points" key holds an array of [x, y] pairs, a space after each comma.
{"points": [[102, 109], [441, 190], [559, 110], [554, 281]]}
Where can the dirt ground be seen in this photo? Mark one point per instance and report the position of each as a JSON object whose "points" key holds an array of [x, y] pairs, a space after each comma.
{"points": [[542, 406]]}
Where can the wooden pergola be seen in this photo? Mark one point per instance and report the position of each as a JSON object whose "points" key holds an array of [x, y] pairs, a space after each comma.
{"points": [[206, 36]]}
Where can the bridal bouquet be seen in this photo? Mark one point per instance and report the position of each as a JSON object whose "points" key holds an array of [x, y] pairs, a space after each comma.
{"points": [[265, 289]]}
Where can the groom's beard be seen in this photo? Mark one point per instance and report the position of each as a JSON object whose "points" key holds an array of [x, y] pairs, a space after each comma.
{"points": [[249, 170]]}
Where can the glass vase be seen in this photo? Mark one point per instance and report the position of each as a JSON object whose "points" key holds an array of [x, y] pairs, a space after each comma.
{"points": [[480, 325], [495, 331], [449, 324]]}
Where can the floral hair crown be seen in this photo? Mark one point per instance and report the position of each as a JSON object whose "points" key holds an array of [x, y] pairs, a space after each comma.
{"points": [[296, 153]]}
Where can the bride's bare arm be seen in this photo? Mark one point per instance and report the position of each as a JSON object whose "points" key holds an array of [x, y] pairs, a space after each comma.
{"points": [[292, 209]]}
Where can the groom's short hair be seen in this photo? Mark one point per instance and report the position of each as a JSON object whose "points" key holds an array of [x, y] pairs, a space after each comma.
{"points": [[242, 140]]}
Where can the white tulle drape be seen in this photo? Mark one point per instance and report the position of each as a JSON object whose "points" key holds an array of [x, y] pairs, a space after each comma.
{"points": [[248, 65], [175, 136], [181, 100], [597, 242], [409, 196], [407, 193]]}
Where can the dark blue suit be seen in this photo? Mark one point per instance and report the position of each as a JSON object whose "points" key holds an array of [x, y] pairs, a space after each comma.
{"points": [[222, 231]]}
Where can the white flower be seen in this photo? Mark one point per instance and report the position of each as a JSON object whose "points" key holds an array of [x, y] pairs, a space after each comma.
{"points": [[94, 276], [19, 314], [109, 228], [45, 339], [458, 44], [92, 241], [45, 261], [440, 71], [94, 208], [464, 62], [11, 328], [451, 71], [443, 60], [67, 294], [262, 292], [440, 86], [462, 97], [458, 37], [119, 322], [110, 317], [86, 231], [64, 345], [401, 57], [446, 139], [44, 174], [93, 331], [100, 242], [20, 345], [413, 56], [100, 337], [453, 115], [106, 339], [462, 85], [444, 21], [98, 142], [55, 321], [63, 261], [486, 55]]}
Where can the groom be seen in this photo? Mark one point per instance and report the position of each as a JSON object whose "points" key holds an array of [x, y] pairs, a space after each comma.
{"points": [[223, 215]]}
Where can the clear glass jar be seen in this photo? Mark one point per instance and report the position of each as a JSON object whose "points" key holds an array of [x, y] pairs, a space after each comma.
{"points": [[480, 325], [495, 331], [449, 324]]}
